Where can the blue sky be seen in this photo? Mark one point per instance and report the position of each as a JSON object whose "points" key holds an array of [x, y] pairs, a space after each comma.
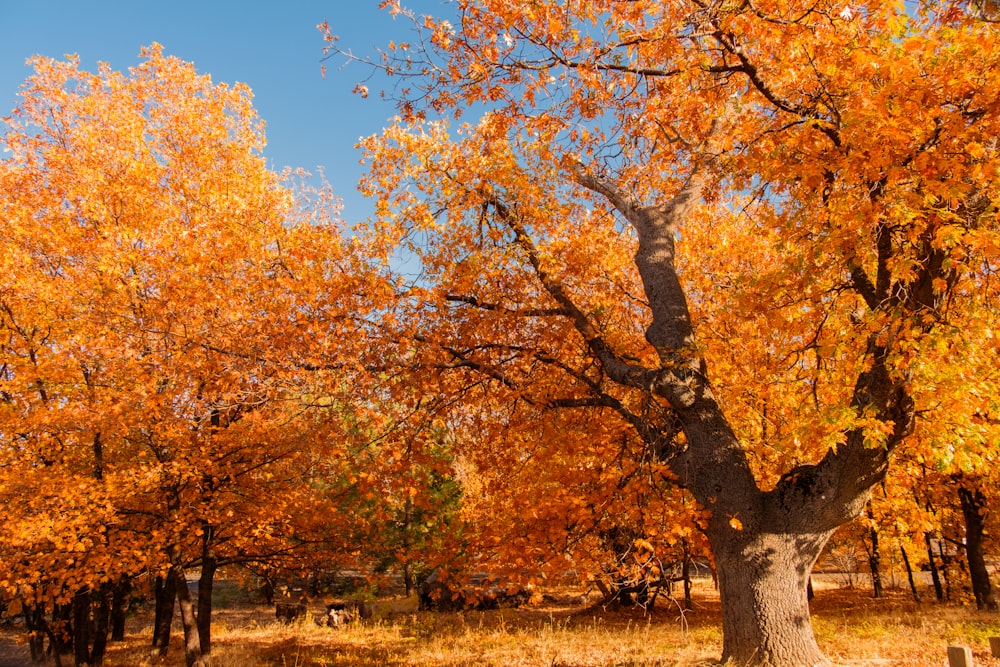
{"points": [[274, 47]]}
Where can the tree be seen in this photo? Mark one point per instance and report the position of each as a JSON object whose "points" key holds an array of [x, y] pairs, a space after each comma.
{"points": [[737, 241], [165, 303]]}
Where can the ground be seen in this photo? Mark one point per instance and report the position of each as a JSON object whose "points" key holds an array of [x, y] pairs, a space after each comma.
{"points": [[852, 628]]}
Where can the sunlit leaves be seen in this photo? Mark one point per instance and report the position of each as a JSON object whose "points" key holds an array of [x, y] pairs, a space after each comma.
{"points": [[170, 309], [849, 222]]}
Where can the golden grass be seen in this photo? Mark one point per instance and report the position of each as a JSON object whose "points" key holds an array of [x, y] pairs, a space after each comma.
{"points": [[852, 628]]}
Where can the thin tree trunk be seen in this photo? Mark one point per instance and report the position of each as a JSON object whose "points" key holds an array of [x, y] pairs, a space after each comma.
{"points": [[407, 527], [34, 621], [875, 564], [166, 594], [119, 608], [61, 632], [206, 583], [973, 503], [686, 575], [909, 573], [81, 628], [932, 563], [944, 570], [101, 607], [192, 644], [874, 556]]}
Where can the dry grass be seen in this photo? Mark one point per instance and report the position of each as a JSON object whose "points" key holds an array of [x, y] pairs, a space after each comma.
{"points": [[852, 628]]}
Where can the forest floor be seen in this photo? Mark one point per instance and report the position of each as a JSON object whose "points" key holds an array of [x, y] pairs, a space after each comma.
{"points": [[852, 628]]}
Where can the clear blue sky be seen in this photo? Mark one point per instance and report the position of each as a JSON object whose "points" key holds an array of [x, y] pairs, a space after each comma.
{"points": [[273, 46]]}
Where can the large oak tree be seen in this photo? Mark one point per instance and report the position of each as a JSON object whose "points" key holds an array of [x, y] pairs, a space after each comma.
{"points": [[742, 244]]}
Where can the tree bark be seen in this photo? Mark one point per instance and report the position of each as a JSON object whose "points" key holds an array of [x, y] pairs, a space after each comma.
{"points": [[973, 504], [945, 561], [686, 575], [166, 594], [34, 621], [81, 627], [909, 573], [932, 563], [192, 644], [119, 609], [875, 563], [61, 630], [763, 581], [101, 609], [205, 585]]}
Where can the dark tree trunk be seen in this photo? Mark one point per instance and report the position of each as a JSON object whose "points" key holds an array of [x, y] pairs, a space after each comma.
{"points": [[165, 593], [101, 609], [34, 622], [407, 527], [909, 573], [973, 505], [119, 609], [686, 576], [932, 563], [763, 581], [90, 626], [875, 564], [206, 583], [945, 561], [61, 632], [81, 627]]}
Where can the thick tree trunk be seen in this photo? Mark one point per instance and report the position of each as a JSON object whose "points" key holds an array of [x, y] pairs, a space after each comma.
{"points": [[973, 503], [763, 582]]}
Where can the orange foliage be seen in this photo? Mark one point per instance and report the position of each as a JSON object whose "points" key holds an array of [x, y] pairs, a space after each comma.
{"points": [[745, 248], [177, 324]]}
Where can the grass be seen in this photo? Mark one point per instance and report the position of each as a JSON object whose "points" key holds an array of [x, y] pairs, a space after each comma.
{"points": [[852, 628]]}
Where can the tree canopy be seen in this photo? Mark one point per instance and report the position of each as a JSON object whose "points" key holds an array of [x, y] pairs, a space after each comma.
{"points": [[746, 249]]}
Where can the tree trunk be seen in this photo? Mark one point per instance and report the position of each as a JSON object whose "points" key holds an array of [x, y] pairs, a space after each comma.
{"points": [[932, 563], [205, 585], [101, 607], [192, 643], [407, 527], [945, 561], [973, 503], [119, 609], [34, 621], [61, 632], [166, 594], [763, 579], [875, 564], [81, 627], [686, 576], [909, 573]]}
